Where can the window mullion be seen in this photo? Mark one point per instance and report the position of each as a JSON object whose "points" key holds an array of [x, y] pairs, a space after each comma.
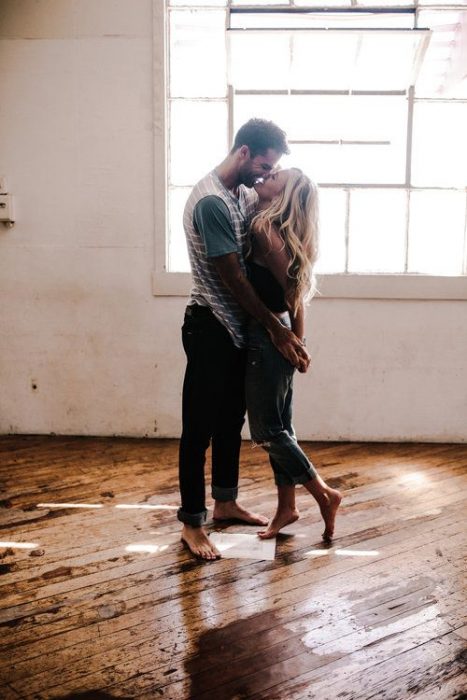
{"points": [[408, 172], [347, 228], [465, 236], [409, 137], [407, 227]]}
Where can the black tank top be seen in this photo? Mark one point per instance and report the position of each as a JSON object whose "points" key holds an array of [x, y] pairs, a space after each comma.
{"points": [[266, 287]]}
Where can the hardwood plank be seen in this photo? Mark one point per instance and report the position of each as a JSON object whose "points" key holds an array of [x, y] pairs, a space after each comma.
{"points": [[367, 669], [193, 575], [426, 674], [262, 671], [300, 568], [90, 616], [421, 597]]}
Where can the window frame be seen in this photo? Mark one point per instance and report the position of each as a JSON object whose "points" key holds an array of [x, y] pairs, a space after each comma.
{"points": [[331, 286]]}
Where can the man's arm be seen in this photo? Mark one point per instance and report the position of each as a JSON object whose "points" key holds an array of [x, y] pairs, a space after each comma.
{"points": [[230, 272], [212, 220]]}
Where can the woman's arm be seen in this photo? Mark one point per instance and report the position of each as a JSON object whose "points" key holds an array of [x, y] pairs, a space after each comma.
{"points": [[297, 319], [271, 252]]}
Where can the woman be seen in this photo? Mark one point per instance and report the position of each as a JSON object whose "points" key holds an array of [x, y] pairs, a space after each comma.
{"points": [[284, 237]]}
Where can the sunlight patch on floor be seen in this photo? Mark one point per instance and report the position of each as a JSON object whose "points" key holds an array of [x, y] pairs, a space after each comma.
{"points": [[19, 545]]}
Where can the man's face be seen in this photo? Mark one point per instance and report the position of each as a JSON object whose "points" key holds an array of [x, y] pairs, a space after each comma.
{"points": [[259, 166]]}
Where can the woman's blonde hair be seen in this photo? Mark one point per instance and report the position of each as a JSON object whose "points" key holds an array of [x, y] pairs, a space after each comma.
{"points": [[294, 212]]}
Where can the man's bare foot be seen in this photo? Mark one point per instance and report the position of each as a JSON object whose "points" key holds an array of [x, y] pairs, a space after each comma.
{"points": [[230, 510], [199, 543], [328, 510], [280, 520]]}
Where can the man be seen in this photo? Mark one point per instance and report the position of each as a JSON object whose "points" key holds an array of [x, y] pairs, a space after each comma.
{"points": [[216, 220]]}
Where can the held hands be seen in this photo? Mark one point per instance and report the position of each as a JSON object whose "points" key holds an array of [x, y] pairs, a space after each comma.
{"points": [[304, 361], [291, 347]]}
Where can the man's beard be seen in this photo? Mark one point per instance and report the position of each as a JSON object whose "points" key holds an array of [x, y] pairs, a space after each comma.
{"points": [[248, 178]]}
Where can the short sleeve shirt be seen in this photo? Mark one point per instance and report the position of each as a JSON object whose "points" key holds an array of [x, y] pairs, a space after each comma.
{"points": [[212, 220], [216, 223]]}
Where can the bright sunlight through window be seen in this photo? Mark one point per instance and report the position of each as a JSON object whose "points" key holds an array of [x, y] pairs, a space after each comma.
{"points": [[374, 102]]}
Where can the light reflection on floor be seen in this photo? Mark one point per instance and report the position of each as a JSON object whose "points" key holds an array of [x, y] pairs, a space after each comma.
{"points": [[144, 506], [342, 552], [19, 545], [158, 547], [70, 505], [149, 548], [356, 552], [121, 506], [413, 479], [162, 544]]}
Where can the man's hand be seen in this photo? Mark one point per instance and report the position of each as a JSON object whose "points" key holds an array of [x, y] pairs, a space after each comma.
{"points": [[291, 347], [304, 364], [231, 274]]}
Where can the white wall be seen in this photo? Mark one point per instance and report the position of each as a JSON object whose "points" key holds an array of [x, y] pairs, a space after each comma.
{"points": [[78, 320]]}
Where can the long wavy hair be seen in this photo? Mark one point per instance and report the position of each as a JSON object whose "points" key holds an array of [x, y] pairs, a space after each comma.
{"points": [[294, 213]]}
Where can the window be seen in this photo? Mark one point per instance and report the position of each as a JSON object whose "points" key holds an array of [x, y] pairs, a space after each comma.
{"points": [[374, 106]]}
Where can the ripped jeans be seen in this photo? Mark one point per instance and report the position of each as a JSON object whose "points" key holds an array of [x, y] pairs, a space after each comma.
{"points": [[269, 389]]}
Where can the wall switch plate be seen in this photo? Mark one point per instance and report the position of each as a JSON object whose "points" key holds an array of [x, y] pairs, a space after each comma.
{"points": [[6, 208], [3, 185]]}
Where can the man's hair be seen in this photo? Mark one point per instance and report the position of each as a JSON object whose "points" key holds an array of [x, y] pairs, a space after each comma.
{"points": [[260, 135]]}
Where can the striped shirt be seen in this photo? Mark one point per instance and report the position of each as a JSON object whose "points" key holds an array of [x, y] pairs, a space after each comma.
{"points": [[207, 287]]}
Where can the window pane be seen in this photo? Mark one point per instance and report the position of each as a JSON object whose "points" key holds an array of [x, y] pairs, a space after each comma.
{"points": [[350, 164], [319, 3], [257, 2], [374, 126], [439, 144], [178, 254], [442, 73], [332, 212], [335, 59], [439, 3], [377, 231], [197, 3], [323, 59], [290, 112], [322, 20], [195, 37], [260, 62], [387, 62], [385, 3], [198, 139], [436, 232]]}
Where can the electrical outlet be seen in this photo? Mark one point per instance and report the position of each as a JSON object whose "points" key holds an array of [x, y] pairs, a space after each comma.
{"points": [[6, 209], [3, 185]]}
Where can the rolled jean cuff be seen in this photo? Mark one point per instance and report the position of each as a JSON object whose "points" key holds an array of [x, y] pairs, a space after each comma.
{"points": [[286, 480], [221, 493], [193, 519]]}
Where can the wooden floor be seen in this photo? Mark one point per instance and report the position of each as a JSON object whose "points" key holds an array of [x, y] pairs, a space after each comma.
{"points": [[103, 601]]}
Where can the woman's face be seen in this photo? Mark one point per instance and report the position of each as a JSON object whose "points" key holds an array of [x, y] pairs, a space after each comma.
{"points": [[273, 185]]}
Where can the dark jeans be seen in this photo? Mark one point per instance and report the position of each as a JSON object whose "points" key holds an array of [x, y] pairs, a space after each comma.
{"points": [[213, 411], [269, 390]]}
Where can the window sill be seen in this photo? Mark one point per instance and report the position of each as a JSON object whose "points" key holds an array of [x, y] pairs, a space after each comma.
{"points": [[346, 286]]}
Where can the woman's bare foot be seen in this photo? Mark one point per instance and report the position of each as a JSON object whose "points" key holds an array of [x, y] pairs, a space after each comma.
{"points": [[281, 519], [199, 543], [230, 510], [328, 508]]}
